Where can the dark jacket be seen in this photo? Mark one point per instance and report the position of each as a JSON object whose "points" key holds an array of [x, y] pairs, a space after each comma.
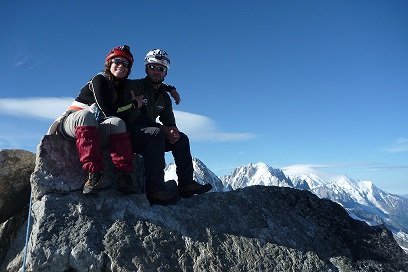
{"points": [[157, 103], [107, 94]]}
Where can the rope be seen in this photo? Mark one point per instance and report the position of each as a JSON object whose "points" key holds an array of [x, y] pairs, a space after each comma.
{"points": [[27, 234]]}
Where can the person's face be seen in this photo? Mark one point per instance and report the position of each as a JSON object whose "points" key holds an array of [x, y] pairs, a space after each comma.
{"points": [[119, 67], [156, 72]]}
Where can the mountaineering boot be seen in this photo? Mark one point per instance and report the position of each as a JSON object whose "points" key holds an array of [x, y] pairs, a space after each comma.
{"points": [[89, 150], [121, 151], [122, 157], [193, 188], [92, 185], [163, 197], [125, 183]]}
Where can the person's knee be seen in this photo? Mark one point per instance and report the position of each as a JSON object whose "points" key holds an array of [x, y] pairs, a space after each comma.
{"points": [[182, 145], [157, 140], [86, 118], [184, 138], [116, 125], [153, 131], [159, 136]]}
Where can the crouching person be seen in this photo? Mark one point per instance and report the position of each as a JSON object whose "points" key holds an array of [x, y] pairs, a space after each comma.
{"points": [[94, 120]]}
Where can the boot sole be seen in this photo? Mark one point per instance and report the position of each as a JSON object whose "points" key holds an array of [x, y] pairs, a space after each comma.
{"points": [[167, 202], [203, 189], [90, 190]]}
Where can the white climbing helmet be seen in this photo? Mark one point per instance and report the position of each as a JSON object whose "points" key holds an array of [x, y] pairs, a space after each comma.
{"points": [[157, 56]]}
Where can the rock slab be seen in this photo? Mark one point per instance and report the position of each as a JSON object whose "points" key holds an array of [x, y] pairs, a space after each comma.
{"points": [[16, 167], [258, 228], [58, 169]]}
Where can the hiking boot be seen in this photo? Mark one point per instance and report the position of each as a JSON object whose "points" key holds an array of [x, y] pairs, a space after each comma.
{"points": [[194, 188], [125, 184], [162, 198], [92, 185]]}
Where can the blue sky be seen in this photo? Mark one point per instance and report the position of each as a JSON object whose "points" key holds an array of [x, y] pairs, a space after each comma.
{"points": [[317, 83]]}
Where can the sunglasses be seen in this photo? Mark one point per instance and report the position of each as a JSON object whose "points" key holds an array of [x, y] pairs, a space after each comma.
{"points": [[157, 68], [118, 61]]}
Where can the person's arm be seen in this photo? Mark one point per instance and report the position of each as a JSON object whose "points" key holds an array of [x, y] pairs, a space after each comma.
{"points": [[171, 132], [168, 120], [174, 93], [166, 116], [102, 92]]}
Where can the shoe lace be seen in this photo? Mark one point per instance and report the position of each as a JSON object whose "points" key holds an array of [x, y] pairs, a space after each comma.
{"points": [[94, 178]]}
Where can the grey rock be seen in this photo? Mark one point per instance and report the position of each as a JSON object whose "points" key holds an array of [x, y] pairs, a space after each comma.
{"points": [[58, 169], [361, 199], [257, 228], [252, 229], [16, 167], [12, 235]]}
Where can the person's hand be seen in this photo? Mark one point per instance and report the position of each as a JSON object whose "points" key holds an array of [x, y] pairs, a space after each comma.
{"points": [[172, 133], [138, 99], [175, 95]]}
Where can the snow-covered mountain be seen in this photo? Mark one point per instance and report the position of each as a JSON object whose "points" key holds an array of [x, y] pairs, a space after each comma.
{"points": [[201, 174], [256, 174], [362, 199]]}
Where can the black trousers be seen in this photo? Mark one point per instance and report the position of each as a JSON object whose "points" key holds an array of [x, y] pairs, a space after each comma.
{"points": [[151, 143]]}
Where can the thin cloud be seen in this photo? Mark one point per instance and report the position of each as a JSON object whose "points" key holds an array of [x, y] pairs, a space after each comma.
{"points": [[198, 127], [20, 62], [322, 168], [202, 128], [400, 145], [310, 169], [387, 167], [43, 108]]}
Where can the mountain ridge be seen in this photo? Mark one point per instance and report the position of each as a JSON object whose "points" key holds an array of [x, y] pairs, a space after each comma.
{"points": [[256, 228], [361, 199]]}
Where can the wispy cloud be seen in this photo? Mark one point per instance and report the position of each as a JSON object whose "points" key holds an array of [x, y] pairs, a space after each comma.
{"points": [[29, 63], [35, 107], [20, 62], [399, 145], [381, 167], [324, 168], [310, 169], [198, 127], [202, 128]]}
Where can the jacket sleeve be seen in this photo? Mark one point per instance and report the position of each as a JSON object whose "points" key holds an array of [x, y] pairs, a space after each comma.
{"points": [[168, 87], [128, 109], [167, 115], [102, 92]]}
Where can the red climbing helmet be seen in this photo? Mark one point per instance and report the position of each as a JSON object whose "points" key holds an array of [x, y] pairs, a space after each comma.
{"points": [[120, 51]]}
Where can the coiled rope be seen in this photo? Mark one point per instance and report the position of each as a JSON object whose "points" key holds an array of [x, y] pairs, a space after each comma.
{"points": [[27, 234]]}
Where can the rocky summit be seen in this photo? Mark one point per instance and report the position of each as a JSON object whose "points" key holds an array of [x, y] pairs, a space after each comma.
{"points": [[257, 228], [16, 167]]}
